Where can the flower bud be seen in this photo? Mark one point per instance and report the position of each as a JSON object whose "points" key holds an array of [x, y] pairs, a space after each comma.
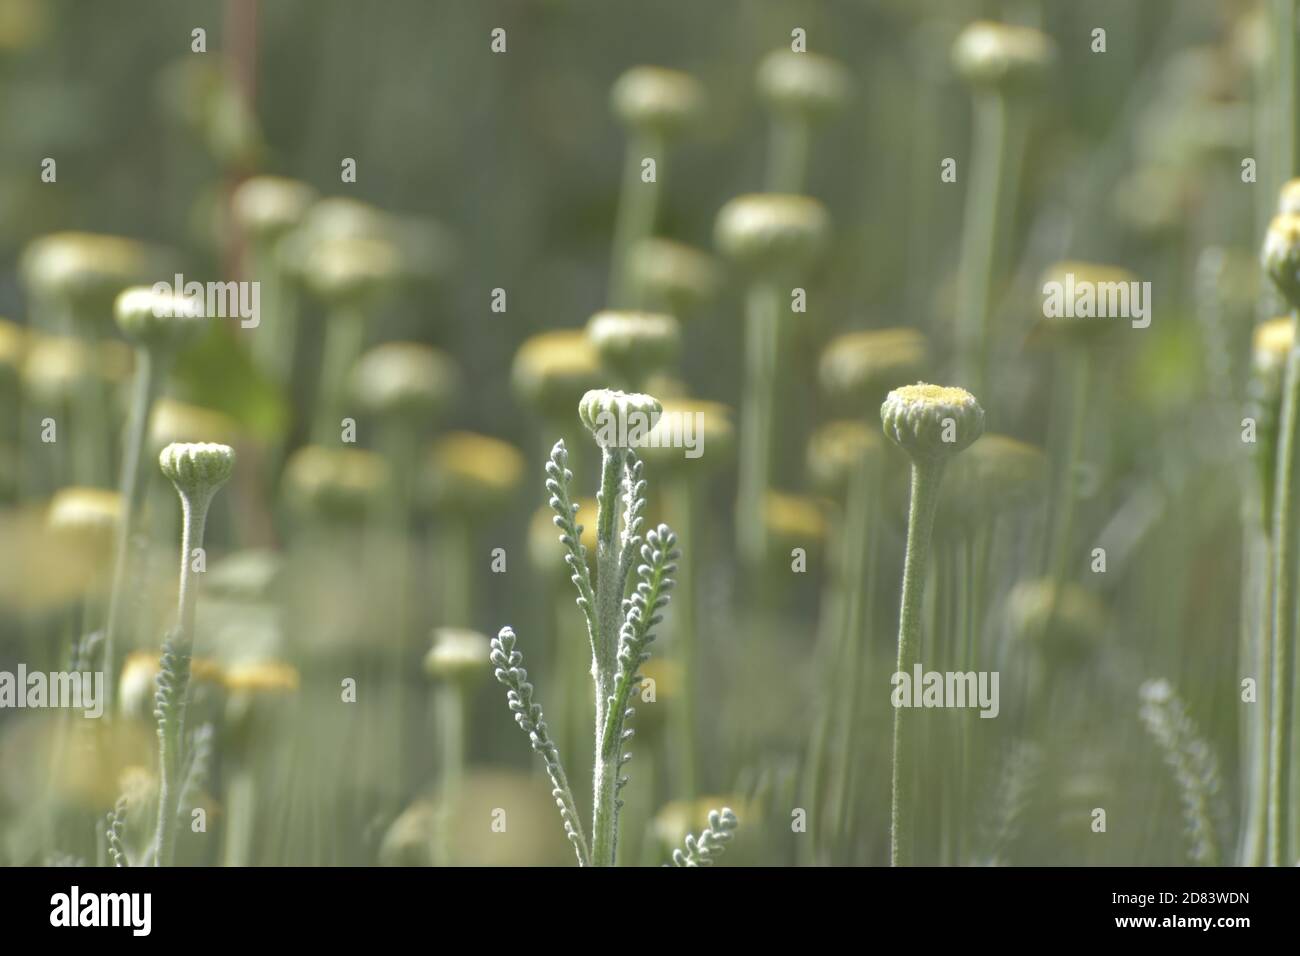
{"points": [[173, 421], [334, 482], [618, 419], [405, 379], [858, 369], [690, 434], [268, 206], [197, 469], [553, 370], [1066, 633], [472, 475], [931, 422], [156, 320], [837, 450], [352, 273], [766, 232], [457, 655], [672, 276], [803, 84], [1281, 256], [1002, 57], [83, 270], [632, 344], [656, 100]]}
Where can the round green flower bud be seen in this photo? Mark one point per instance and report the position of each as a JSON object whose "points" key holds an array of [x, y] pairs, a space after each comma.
{"points": [[931, 422], [803, 84], [660, 101], [858, 369], [352, 273], [85, 517], [157, 320], [673, 276], [457, 654], [1072, 278], [84, 270], [553, 370], [473, 475], [1281, 255], [54, 366], [405, 379], [631, 344], [269, 206], [836, 450], [618, 419], [691, 434], [339, 483], [1002, 57], [197, 468], [766, 232]]}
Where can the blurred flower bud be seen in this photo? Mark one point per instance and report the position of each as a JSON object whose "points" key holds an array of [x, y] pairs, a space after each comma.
{"points": [[659, 101]]}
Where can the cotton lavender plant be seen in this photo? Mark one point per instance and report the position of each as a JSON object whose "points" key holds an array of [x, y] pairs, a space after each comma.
{"points": [[620, 626]]}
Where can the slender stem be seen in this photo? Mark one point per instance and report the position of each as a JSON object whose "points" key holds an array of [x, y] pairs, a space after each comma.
{"points": [[982, 236], [787, 170], [454, 558], [609, 600], [638, 208], [762, 330], [344, 337], [450, 704], [1285, 24], [926, 477], [1065, 501], [1257, 650], [1286, 531], [194, 516], [148, 376]]}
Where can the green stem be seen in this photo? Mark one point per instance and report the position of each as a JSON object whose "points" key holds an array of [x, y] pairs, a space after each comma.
{"points": [[981, 237], [926, 477], [609, 601], [344, 337], [787, 170], [1066, 499], [638, 207], [762, 330], [149, 373], [450, 704], [454, 559], [1286, 531], [194, 516]]}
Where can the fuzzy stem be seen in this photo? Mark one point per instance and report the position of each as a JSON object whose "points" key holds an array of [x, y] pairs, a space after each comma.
{"points": [[638, 207], [1065, 502], [194, 516], [609, 601], [148, 377], [762, 330], [1286, 531], [787, 169], [926, 477]]}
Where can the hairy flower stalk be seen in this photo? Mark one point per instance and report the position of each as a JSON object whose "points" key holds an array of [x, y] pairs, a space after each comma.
{"points": [[801, 90], [655, 106], [197, 471], [456, 661], [1281, 260], [931, 423], [158, 325], [1001, 63], [774, 238]]}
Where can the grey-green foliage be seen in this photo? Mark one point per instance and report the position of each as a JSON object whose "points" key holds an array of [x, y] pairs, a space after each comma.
{"points": [[116, 827], [1011, 798], [639, 614], [1194, 765], [711, 843]]}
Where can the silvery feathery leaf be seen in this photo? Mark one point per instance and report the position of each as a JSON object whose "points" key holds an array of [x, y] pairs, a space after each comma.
{"points": [[558, 477], [712, 843], [528, 715]]}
